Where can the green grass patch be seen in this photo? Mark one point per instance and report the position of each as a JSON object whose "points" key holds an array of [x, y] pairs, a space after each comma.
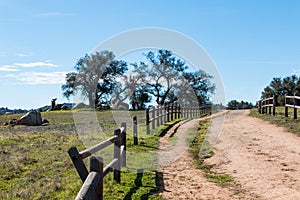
{"points": [[35, 163], [200, 150], [291, 125]]}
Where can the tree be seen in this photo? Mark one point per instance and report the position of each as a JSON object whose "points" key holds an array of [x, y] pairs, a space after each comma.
{"points": [[95, 77], [235, 105], [168, 80], [279, 87]]}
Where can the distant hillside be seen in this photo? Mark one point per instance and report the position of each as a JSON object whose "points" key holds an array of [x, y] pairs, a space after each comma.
{"points": [[11, 111]]}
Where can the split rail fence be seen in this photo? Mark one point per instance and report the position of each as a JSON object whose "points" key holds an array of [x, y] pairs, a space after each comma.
{"points": [[92, 179], [268, 105], [291, 102], [159, 115], [92, 187]]}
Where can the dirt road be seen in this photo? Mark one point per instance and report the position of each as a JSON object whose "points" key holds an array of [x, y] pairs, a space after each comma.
{"points": [[263, 159]]}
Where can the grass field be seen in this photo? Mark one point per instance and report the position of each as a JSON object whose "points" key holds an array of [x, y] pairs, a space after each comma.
{"points": [[35, 164], [292, 125]]}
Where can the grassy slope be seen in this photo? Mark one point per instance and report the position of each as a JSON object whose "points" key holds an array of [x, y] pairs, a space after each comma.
{"points": [[292, 125], [35, 164]]}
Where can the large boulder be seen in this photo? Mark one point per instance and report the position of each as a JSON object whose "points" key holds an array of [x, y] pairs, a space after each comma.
{"points": [[80, 106], [32, 118]]}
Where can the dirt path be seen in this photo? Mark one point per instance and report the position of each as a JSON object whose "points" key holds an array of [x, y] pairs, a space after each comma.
{"points": [[262, 158]]}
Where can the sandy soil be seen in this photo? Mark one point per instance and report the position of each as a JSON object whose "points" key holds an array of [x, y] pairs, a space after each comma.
{"points": [[262, 158]]}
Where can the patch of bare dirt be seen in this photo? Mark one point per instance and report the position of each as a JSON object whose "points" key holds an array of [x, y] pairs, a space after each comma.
{"points": [[263, 159], [182, 180]]}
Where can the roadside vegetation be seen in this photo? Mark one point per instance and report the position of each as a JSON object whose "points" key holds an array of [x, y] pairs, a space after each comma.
{"points": [[200, 150], [35, 163], [292, 125]]}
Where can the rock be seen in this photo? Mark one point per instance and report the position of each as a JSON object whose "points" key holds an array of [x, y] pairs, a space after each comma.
{"points": [[45, 121], [32, 118], [80, 106], [13, 122], [64, 107]]}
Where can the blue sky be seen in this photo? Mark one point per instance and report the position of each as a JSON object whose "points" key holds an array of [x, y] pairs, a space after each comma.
{"points": [[250, 41]]}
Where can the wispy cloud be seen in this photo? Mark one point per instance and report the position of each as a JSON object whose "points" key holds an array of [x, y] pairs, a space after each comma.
{"points": [[9, 68], [25, 54], [47, 63], [16, 66], [296, 71], [35, 78], [54, 14]]}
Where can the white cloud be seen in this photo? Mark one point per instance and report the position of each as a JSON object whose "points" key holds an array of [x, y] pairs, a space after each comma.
{"points": [[9, 68], [35, 78], [25, 54], [47, 63]]}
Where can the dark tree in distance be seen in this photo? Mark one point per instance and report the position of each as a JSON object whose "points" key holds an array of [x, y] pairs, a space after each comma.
{"points": [[280, 87], [236, 105], [168, 80], [95, 77]]}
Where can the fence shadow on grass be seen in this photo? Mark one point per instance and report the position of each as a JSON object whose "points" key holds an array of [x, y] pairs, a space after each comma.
{"points": [[159, 185]]}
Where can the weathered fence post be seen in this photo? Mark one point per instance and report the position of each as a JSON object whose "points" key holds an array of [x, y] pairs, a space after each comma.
{"points": [[153, 118], [295, 109], [172, 112], [157, 116], [135, 131], [147, 122], [90, 185], [117, 167], [123, 142], [175, 111], [168, 113], [259, 107], [164, 114], [286, 108], [179, 111], [161, 114], [96, 165], [274, 105], [270, 108], [78, 163]]}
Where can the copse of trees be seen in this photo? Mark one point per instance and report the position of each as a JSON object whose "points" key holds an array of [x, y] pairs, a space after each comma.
{"points": [[95, 77], [236, 105], [102, 79], [280, 87]]}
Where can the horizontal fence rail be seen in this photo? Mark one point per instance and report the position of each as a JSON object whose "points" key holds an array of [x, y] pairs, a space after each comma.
{"points": [[291, 102], [92, 179], [92, 187], [265, 105], [159, 115]]}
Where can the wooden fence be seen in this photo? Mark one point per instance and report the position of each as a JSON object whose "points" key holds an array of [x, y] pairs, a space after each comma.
{"points": [[267, 105], [159, 115], [92, 187], [291, 102]]}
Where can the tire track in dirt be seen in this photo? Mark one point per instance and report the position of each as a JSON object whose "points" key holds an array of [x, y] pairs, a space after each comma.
{"points": [[182, 180], [262, 157]]}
